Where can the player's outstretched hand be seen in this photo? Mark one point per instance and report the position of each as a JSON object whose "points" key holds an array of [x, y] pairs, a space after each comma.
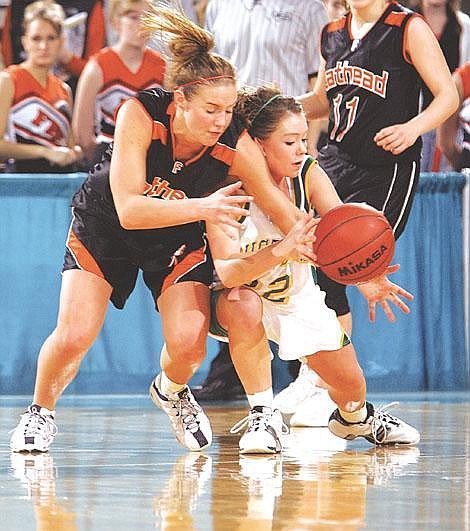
{"points": [[297, 244], [225, 206], [381, 290]]}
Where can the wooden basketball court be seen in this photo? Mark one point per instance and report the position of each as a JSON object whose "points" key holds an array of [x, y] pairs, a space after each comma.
{"points": [[116, 465]]}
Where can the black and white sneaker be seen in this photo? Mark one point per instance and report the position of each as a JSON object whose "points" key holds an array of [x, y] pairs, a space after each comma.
{"points": [[35, 431], [262, 436], [189, 422], [379, 428]]}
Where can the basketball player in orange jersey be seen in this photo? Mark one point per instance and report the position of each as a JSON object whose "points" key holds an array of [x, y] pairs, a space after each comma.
{"points": [[374, 60], [279, 299], [112, 76], [36, 106], [141, 209], [457, 149]]}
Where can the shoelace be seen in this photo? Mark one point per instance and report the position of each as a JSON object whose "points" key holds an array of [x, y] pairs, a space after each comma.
{"points": [[381, 421], [34, 422], [187, 411], [255, 420]]}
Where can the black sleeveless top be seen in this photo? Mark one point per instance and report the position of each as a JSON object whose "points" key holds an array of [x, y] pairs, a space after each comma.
{"points": [[167, 179], [370, 85]]}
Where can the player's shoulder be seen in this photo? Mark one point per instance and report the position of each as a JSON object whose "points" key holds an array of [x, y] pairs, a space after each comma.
{"points": [[337, 24], [398, 15]]}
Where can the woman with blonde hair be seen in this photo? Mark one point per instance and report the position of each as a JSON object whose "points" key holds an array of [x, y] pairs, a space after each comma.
{"points": [[142, 209], [113, 75], [36, 106]]}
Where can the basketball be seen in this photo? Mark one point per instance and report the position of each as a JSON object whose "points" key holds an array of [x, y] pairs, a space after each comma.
{"points": [[355, 243]]}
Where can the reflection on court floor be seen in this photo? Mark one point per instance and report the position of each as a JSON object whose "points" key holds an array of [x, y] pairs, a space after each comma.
{"points": [[115, 465]]}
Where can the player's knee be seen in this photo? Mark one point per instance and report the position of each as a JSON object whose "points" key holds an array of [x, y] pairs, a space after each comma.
{"points": [[246, 311], [353, 381], [73, 341], [189, 343]]}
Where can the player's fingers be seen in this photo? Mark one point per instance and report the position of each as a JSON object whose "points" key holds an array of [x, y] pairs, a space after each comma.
{"points": [[399, 303], [372, 312], [388, 312], [392, 269], [403, 293], [383, 133], [231, 188], [398, 290], [238, 199], [235, 212]]}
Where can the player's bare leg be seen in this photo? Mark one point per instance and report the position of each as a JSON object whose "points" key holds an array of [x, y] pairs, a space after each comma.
{"points": [[355, 417], [83, 301], [240, 312], [185, 311]]}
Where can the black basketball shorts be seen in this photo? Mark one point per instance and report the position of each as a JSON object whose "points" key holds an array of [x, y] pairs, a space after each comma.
{"points": [[107, 251]]}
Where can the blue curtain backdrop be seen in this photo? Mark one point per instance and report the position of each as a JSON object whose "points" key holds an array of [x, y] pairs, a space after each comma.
{"points": [[422, 351]]}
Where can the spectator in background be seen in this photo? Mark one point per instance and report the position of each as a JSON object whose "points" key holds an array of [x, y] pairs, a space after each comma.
{"points": [[113, 75], [453, 136], [36, 106], [273, 41], [84, 34], [452, 29]]}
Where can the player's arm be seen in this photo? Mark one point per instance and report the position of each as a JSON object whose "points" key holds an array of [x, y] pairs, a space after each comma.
{"points": [[321, 193], [132, 139], [315, 103], [423, 51], [235, 269], [447, 133], [83, 123], [250, 167]]}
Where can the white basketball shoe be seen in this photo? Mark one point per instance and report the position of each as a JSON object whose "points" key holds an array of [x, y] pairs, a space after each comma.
{"points": [[379, 427], [35, 431], [264, 429], [189, 422], [309, 405]]}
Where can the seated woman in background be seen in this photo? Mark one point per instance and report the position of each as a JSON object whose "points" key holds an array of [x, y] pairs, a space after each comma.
{"points": [[113, 75], [36, 106]]}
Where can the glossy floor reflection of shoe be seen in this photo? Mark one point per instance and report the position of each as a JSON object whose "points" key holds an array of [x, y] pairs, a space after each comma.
{"points": [[115, 465], [178, 499], [37, 473]]}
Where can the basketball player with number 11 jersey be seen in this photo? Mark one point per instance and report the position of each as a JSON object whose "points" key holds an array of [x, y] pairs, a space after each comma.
{"points": [[369, 83]]}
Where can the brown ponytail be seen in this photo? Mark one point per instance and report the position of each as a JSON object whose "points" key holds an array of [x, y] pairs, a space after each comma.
{"points": [[191, 61]]}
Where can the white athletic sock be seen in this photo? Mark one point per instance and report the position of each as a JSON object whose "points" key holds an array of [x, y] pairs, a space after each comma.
{"points": [[359, 415], [168, 387], [261, 398], [43, 410]]}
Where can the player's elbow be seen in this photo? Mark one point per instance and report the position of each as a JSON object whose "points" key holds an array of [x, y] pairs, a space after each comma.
{"points": [[126, 216], [454, 101]]}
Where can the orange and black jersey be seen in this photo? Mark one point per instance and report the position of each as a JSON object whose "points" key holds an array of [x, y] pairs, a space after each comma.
{"points": [[370, 84], [167, 178], [38, 115], [119, 84]]}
